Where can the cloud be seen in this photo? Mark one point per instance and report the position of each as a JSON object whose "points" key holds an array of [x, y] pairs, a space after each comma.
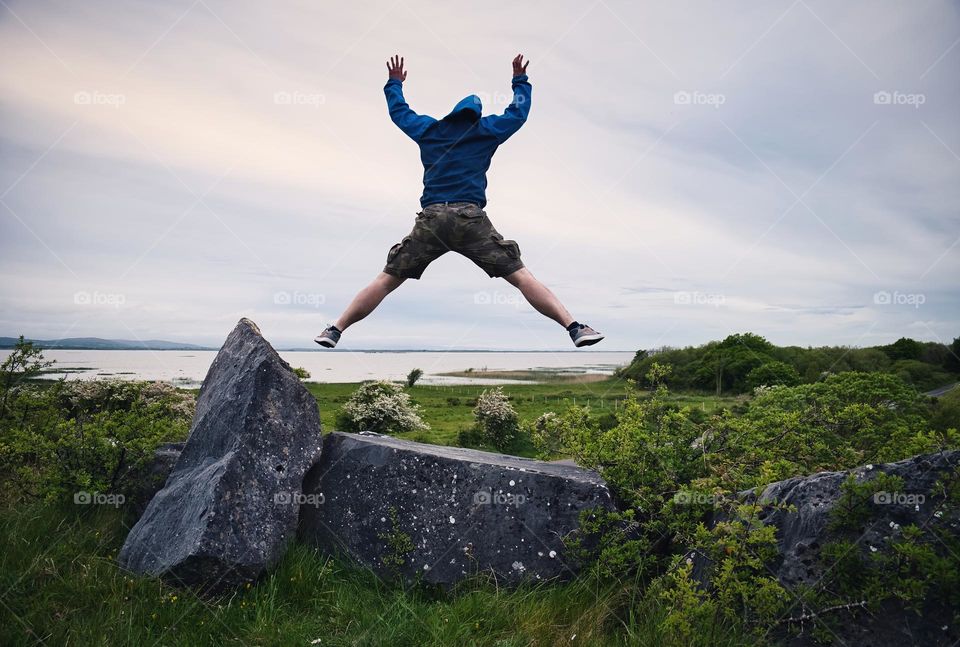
{"points": [[202, 158]]}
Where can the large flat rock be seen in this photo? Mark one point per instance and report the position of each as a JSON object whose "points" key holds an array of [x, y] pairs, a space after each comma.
{"points": [[442, 513], [229, 507]]}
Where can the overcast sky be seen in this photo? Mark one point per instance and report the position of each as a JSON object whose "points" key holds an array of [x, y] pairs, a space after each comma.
{"points": [[688, 170]]}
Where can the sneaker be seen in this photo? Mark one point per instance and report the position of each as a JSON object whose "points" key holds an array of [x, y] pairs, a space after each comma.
{"points": [[328, 338], [584, 335]]}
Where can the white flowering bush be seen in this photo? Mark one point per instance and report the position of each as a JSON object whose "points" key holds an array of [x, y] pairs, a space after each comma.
{"points": [[496, 419], [382, 407], [93, 396]]}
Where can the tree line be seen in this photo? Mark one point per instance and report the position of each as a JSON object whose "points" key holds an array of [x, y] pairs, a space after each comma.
{"points": [[744, 361]]}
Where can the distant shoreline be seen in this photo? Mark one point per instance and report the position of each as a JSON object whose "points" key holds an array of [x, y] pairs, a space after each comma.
{"points": [[536, 376], [281, 349], [439, 367]]}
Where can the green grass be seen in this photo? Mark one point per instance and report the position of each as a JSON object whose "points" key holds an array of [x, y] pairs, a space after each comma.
{"points": [[528, 375], [447, 409], [60, 585], [706, 403]]}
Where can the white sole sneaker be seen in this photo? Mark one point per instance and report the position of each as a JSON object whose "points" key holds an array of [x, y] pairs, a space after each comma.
{"points": [[588, 340], [328, 338]]}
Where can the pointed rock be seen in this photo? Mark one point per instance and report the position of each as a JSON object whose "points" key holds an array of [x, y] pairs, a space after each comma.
{"points": [[230, 505]]}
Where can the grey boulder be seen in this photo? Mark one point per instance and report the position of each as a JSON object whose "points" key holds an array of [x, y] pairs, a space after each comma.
{"points": [[230, 505], [803, 533], [440, 514]]}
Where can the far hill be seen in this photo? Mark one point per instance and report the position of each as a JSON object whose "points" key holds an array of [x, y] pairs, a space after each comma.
{"points": [[96, 343]]}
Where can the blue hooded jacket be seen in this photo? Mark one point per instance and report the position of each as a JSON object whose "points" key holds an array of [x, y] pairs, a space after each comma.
{"points": [[456, 150]]}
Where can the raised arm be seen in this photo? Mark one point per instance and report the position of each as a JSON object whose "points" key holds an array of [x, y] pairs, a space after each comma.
{"points": [[516, 113], [406, 119]]}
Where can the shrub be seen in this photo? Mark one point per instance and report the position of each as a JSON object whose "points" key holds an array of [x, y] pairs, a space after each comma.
{"points": [[903, 348], [921, 375], [82, 397], [382, 407], [413, 376], [946, 411], [671, 472], [496, 419], [552, 434], [23, 363], [846, 420], [773, 374], [94, 436], [302, 373]]}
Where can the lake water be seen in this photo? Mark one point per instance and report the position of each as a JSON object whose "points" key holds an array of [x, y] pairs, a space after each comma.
{"points": [[188, 368]]}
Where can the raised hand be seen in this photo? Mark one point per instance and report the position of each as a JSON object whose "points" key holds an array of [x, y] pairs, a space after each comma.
{"points": [[395, 68], [519, 67]]}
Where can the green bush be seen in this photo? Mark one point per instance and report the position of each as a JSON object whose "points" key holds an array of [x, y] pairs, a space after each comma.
{"points": [[25, 362], [413, 376], [903, 348], [671, 471], [946, 411], [773, 374], [96, 436], [846, 420]]}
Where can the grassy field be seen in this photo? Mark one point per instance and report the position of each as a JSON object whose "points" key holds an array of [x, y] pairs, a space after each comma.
{"points": [[62, 586], [447, 409], [530, 375], [60, 583]]}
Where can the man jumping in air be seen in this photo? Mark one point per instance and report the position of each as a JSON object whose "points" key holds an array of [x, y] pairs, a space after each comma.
{"points": [[456, 153]]}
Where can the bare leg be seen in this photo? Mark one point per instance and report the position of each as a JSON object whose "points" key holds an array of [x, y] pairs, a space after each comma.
{"points": [[539, 296], [368, 299]]}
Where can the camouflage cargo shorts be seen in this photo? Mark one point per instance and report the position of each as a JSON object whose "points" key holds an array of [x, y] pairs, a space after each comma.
{"points": [[461, 227]]}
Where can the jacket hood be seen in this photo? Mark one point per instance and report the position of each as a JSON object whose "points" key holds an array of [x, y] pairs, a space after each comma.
{"points": [[468, 106]]}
